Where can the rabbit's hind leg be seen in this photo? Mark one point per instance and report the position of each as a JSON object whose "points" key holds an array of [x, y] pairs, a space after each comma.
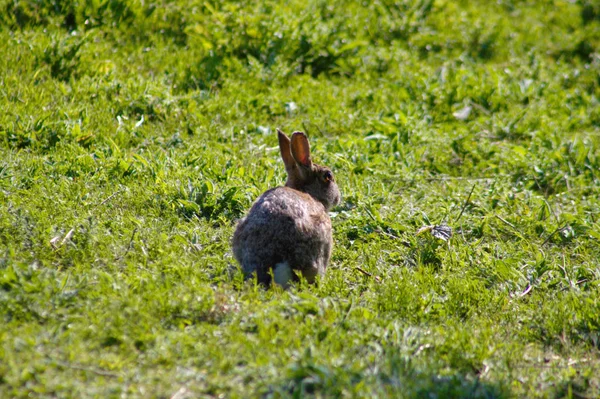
{"points": [[310, 274], [254, 269]]}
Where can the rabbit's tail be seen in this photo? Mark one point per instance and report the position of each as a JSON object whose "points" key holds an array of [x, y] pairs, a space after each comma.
{"points": [[283, 274]]}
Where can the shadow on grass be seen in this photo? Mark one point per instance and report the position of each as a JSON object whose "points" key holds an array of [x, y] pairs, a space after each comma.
{"points": [[399, 382]]}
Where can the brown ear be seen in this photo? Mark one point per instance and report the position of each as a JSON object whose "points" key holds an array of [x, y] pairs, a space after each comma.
{"points": [[301, 149], [285, 149]]}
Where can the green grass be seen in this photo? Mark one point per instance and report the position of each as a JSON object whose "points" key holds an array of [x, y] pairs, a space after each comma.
{"points": [[134, 134]]}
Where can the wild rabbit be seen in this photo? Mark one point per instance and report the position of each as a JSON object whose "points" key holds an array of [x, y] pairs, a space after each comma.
{"points": [[288, 228]]}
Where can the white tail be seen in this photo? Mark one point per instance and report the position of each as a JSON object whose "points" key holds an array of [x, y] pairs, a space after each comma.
{"points": [[282, 274]]}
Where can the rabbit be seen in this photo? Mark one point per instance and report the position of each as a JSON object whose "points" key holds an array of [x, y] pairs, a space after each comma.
{"points": [[288, 228]]}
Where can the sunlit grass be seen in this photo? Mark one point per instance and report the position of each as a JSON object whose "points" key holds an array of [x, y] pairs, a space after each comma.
{"points": [[134, 134]]}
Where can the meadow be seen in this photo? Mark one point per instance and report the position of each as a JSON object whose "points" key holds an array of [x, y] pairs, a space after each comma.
{"points": [[134, 134]]}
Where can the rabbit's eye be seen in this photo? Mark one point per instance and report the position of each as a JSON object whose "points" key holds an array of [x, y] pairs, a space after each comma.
{"points": [[327, 176]]}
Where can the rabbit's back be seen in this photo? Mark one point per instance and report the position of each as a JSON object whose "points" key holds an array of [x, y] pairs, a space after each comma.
{"points": [[284, 226]]}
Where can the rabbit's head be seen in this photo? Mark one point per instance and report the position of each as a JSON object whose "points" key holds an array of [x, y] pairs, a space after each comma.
{"points": [[303, 174]]}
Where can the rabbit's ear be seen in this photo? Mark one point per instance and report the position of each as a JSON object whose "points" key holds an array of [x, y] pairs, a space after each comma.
{"points": [[301, 149], [286, 152]]}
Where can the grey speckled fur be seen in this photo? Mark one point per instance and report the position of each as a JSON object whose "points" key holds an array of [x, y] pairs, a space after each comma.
{"points": [[290, 225]]}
